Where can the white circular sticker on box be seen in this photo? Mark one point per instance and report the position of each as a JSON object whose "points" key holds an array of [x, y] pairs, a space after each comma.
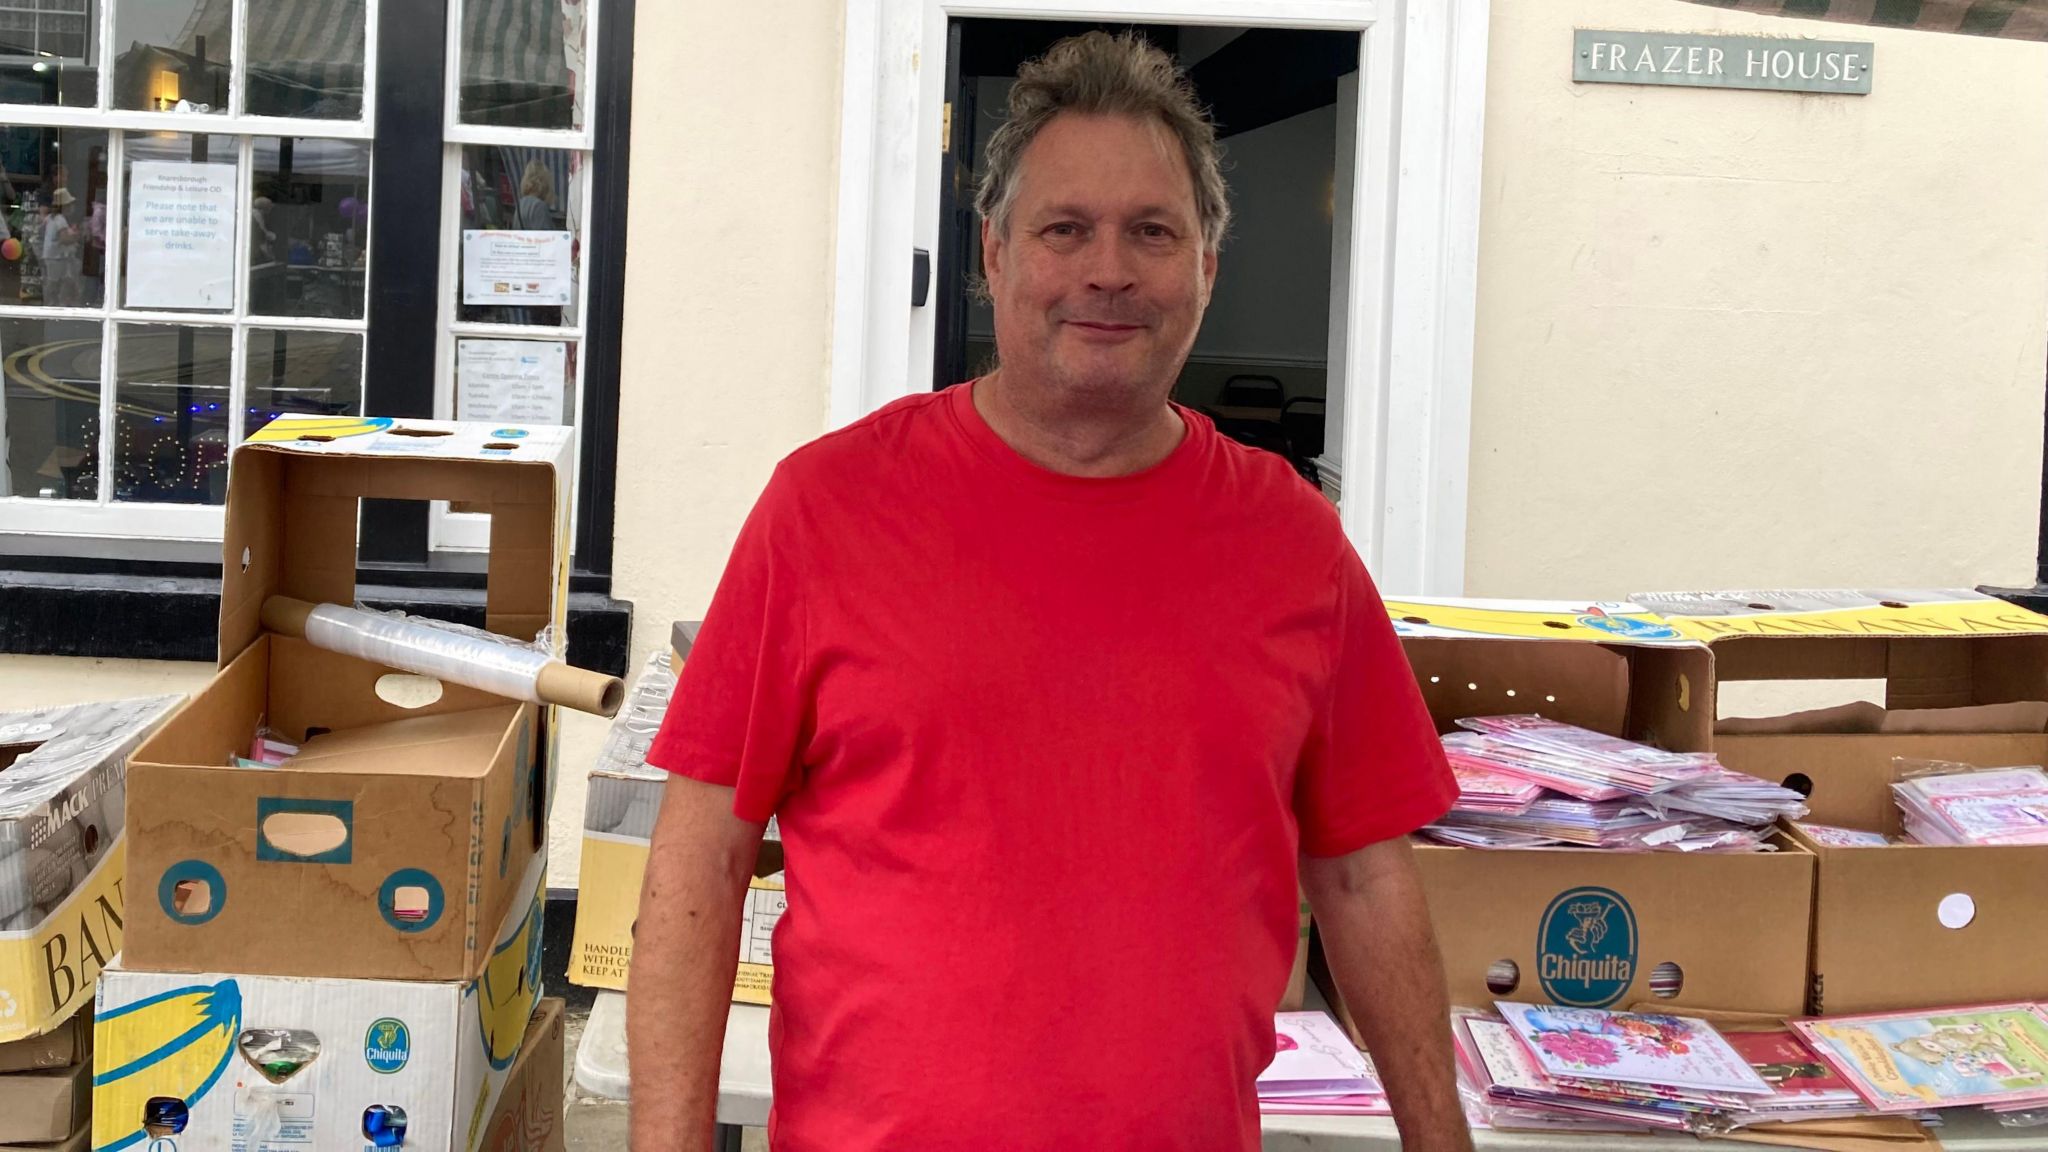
{"points": [[1956, 910]]}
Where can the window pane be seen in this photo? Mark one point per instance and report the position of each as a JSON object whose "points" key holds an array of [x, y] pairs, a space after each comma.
{"points": [[308, 224], [50, 52], [516, 381], [53, 205], [176, 55], [178, 238], [536, 193], [171, 408], [306, 58], [50, 399], [315, 372], [522, 62]]}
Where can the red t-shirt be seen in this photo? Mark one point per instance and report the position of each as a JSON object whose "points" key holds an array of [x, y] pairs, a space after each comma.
{"points": [[1044, 750]]}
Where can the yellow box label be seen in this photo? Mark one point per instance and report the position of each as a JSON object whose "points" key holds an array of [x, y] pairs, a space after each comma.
{"points": [[48, 972], [751, 983], [607, 902]]}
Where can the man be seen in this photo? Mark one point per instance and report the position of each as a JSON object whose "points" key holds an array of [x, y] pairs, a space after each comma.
{"points": [[1052, 686]]}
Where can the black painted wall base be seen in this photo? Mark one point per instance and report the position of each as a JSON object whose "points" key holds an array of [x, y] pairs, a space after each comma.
{"points": [[127, 617], [2033, 599], [558, 923]]}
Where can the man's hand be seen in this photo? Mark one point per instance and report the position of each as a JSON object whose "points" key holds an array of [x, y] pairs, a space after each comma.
{"points": [[686, 946], [1382, 951]]}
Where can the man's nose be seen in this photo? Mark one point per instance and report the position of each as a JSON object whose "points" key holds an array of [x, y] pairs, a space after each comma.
{"points": [[1110, 267]]}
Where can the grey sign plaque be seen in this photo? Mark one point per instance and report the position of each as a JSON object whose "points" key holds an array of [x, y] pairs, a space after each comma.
{"points": [[1696, 61]]}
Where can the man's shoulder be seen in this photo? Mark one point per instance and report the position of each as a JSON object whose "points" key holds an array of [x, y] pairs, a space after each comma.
{"points": [[1266, 486], [874, 441]]}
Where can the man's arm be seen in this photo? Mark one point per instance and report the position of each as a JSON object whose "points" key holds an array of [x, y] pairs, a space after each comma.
{"points": [[686, 946], [1382, 951]]}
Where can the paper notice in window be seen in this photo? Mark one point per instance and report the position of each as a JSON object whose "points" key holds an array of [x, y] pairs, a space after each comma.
{"points": [[514, 381], [517, 268], [181, 235]]}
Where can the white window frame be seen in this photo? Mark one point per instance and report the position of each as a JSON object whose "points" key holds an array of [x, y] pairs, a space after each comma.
{"points": [[27, 515], [1406, 418], [450, 531]]}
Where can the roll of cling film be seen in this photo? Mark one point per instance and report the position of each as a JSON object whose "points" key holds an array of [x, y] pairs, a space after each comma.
{"points": [[492, 664]]}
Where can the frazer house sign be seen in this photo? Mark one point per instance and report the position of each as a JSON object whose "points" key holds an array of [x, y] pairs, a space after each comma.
{"points": [[1698, 61]]}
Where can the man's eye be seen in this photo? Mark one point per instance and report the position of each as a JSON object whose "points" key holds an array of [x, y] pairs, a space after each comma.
{"points": [[1155, 232]]}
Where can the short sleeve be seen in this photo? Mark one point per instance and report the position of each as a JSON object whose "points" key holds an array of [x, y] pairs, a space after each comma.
{"points": [[1372, 768], [739, 713]]}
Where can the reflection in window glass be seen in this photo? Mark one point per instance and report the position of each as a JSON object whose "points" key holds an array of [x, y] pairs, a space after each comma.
{"points": [[522, 62], [50, 408], [53, 216], [305, 58], [308, 227], [171, 409], [175, 55], [314, 372], [178, 230], [49, 52], [520, 190]]}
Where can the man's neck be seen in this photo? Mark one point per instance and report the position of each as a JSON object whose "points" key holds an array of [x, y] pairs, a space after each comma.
{"points": [[1095, 443]]}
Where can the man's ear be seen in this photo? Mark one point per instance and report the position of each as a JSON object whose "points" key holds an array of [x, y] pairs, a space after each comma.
{"points": [[991, 255], [1209, 269]]}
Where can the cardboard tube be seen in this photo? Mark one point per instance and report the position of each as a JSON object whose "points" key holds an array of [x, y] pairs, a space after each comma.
{"points": [[504, 668], [577, 688], [286, 616]]}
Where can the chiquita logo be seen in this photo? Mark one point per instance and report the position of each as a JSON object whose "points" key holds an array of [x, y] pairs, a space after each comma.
{"points": [[1586, 948]]}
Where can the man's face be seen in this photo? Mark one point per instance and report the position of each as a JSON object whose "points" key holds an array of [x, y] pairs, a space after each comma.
{"points": [[1101, 281]]}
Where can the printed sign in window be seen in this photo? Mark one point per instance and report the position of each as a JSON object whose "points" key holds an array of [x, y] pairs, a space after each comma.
{"points": [[515, 268]]}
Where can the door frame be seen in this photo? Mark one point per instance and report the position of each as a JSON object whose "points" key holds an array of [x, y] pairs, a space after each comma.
{"points": [[1413, 252]]}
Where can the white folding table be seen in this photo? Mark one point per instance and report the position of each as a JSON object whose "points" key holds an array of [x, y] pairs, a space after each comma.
{"points": [[744, 1090]]}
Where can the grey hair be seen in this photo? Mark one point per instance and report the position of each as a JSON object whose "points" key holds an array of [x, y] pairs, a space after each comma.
{"points": [[1099, 74]]}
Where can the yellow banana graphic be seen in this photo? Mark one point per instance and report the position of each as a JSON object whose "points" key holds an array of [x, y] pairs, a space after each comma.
{"points": [[508, 989], [174, 1044], [283, 432], [1558, 622]]}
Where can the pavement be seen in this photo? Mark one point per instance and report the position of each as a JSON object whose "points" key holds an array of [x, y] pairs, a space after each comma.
{"points": [[595, 1123]]}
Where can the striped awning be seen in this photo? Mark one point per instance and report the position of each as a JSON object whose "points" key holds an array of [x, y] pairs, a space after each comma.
{"points": [[2011, 19]]}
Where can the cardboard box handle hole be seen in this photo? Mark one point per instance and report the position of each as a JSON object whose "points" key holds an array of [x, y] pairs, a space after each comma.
{"points": [[304, 833], [164, 1116], [409, 904], [1956, 911], [1667, 980], [384, 1125], [1503, 977], [405, 690], [245, 559], [279, 1053], [418, 432], [192, 898], [1801, 783]]}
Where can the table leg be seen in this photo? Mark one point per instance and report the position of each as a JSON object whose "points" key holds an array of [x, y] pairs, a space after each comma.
{"points": [[728, 1138]]}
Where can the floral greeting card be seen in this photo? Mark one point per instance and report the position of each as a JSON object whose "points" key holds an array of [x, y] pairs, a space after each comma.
{"points": [[1632, 1047]]}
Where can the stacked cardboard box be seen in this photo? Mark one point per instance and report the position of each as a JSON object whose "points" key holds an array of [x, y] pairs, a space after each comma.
{"points": [[1964, 678], [342, 950], [618, 822], [1582, 927], [63, 788]]}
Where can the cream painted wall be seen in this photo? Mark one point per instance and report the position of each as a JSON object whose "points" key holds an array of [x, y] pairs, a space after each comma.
{"points": [[1736, 339], [45, 681], [728, 284]]}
